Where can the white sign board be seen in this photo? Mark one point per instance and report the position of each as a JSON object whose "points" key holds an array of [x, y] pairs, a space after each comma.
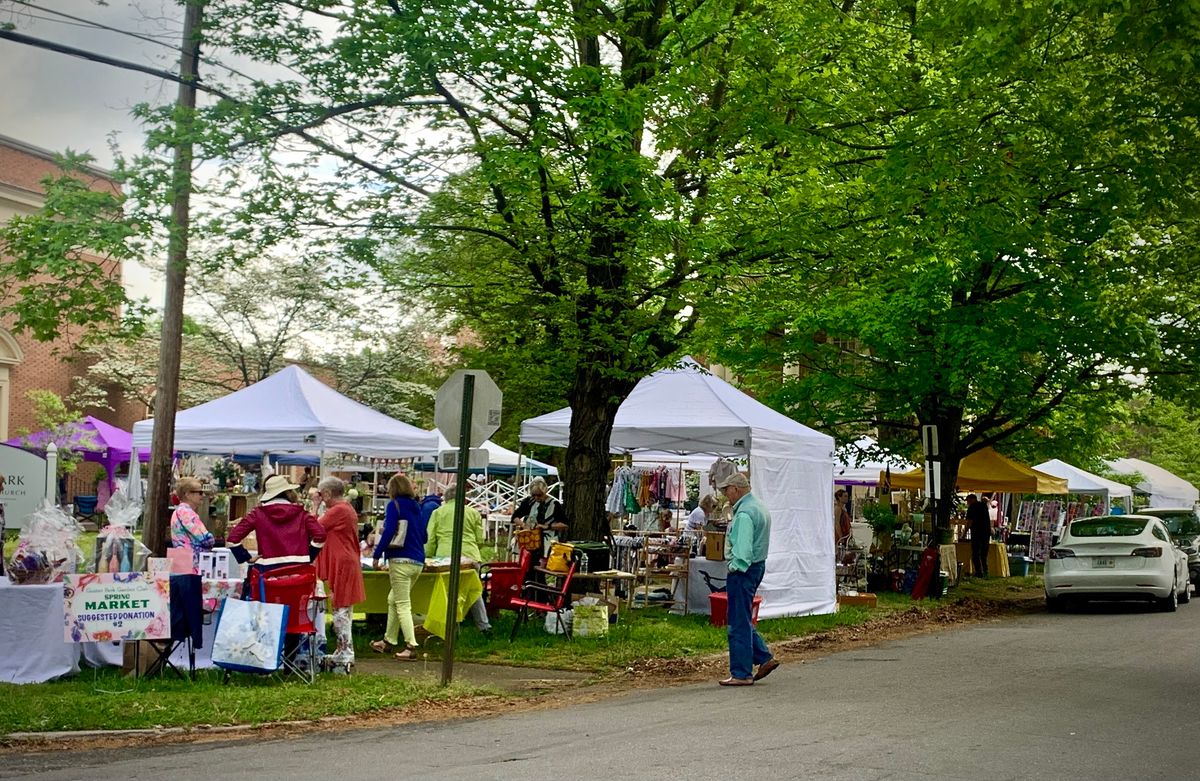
{"points": [[24, 484], [485, 408], [116, 606]]}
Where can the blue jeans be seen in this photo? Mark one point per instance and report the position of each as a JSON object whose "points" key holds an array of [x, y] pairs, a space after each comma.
{"points": [[746, 648]]}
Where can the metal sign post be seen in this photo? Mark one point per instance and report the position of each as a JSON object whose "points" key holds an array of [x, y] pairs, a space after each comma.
{"points": [[473, 429]]}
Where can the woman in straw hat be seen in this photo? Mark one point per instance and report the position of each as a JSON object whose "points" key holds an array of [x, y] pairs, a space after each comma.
{"points": [[285, 531]]}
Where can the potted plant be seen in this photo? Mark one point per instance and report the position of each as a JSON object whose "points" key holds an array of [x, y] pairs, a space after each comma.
{"points": [[883, 522]]}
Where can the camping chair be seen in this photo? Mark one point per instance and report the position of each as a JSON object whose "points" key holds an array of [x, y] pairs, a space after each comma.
{"points": [[294, 585], [502, 581], [87, 510], [544, 599]]}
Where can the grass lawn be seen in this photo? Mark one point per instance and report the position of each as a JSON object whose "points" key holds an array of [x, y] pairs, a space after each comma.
{"points": [[104, 699]]}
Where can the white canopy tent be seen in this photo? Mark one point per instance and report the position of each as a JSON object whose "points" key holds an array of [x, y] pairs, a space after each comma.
{"points": [[499, 456], [1080, 481], [687, 410], [291, 412], [860, 462], [1165, 489]]}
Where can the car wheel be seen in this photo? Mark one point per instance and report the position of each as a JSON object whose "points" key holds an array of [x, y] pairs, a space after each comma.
{"points": [[1168, 603], [1056, 604]]}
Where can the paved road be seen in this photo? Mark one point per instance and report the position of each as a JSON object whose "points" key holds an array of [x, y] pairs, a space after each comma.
{"points": [[1109, 694]]}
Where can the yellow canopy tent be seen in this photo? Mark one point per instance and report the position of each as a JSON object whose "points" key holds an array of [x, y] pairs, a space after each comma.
{"points": [[987, 470]]}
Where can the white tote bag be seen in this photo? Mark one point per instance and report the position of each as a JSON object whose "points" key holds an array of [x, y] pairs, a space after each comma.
{"points": [[249, 636]]}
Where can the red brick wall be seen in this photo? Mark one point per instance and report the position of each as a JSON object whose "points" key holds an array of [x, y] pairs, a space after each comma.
{"points": [[48, 365]]}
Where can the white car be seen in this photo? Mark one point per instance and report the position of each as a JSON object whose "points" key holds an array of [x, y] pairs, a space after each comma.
{"points": [[1116, 557]]}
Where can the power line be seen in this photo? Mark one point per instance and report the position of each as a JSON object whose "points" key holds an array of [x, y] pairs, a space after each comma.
{"points": [[82, 22]]}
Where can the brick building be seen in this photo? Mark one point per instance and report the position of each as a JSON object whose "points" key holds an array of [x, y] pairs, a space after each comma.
{"points": [[25, 363]]}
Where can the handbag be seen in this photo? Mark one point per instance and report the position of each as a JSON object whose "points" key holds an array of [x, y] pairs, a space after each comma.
{"points": [[249, 636], [560, 556], [529, 539]]}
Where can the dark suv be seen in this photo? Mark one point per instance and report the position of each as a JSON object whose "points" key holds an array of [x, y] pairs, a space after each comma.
{"points": [[1184, 525]]}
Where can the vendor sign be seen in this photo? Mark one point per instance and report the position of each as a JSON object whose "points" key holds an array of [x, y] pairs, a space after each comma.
{"points": [[116, 606]]}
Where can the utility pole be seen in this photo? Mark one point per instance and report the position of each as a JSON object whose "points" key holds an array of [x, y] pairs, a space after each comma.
{"points": [[166, 400]]}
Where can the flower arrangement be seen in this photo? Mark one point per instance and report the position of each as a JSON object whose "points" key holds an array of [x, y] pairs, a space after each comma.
{"points": [[224, 470]]}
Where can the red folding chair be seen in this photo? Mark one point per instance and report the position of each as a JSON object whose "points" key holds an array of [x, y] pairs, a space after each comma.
{"points": [[502, 581], [294, 585], [545, 600]]}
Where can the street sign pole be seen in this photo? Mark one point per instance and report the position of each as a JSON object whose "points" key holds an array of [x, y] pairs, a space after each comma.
{"points": [[460, 504]]}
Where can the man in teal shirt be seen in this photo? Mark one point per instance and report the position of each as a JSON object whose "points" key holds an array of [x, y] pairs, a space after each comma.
{"points": [[440, 536], [746, 546]]}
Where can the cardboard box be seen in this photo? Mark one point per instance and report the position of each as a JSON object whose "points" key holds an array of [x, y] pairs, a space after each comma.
{"points": [[862, 599], [216, 563]]}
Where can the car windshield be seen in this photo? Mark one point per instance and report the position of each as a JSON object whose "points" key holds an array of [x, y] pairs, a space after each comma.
{"points": [[1108, 527], [1180, 524]]}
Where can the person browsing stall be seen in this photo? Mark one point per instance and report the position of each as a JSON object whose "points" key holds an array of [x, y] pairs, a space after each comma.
{"points": [[841, 517], [402, 544], [187, 530], [980, 523], [542, 511], [441, 540], [286, 533], [339, 566], [746, 546]]}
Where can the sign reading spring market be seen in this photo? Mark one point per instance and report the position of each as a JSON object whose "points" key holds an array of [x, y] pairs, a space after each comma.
{"points": [[116, 606], [485, 407]]}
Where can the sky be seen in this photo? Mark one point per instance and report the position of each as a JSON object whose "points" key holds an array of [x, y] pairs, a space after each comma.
{"points": [[59, 102]]}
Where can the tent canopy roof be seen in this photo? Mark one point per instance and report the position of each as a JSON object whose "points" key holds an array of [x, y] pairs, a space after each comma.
{"points": [[1165, 489], [501, 460], [97, 440], [987, 470], [853, 465], [685, 409], [291, 412], [1080, 481]]}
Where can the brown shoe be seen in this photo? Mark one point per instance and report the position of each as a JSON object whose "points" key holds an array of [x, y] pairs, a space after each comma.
{"points": [[736, 682], [766, 668]]}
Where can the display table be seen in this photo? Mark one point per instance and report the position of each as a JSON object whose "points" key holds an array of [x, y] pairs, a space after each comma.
{"points": [[997, 559], [32, 644], [697, 587], [605, 580], [429, 596]]}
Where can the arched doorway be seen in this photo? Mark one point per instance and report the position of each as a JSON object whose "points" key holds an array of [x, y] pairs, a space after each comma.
{"points": [[10, 355]]}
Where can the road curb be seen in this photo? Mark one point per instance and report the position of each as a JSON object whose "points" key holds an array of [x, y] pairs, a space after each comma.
{"points": [[199, 729]]}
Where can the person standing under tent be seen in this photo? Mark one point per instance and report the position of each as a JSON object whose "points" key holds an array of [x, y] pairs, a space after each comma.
{"points": [[187, 530], [338, 565], [441, 538], [402, 543], [542, 511], [286, 533], [693, 529], [980, 524], [746, 545], [841, 517]]}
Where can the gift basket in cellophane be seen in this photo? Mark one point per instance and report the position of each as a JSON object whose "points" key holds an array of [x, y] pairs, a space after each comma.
{"points": [[116, 550], [47, 549]]}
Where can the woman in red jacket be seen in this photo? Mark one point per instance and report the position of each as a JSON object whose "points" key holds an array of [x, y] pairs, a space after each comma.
{"points": [[286, 533], [340, 567]]}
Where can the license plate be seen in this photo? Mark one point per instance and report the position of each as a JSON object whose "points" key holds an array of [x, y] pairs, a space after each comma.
{"points": [[1103, 563]]}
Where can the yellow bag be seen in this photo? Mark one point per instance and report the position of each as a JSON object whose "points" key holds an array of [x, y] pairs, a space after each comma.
{"points": [[529, 539], [560, 557]]}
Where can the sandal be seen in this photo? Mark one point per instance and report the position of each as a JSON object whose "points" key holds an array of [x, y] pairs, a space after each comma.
{"points": [[409, 654], [381, 646]]}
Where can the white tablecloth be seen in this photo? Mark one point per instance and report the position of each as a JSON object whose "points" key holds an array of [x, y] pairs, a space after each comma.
{"points": [[697, 589], [32, 645]]}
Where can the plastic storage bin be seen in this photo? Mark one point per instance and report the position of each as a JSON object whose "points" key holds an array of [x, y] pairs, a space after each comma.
{"points": [[718, 605]]}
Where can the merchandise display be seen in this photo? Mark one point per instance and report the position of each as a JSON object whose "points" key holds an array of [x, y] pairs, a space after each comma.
{"points": [[47, 548]]}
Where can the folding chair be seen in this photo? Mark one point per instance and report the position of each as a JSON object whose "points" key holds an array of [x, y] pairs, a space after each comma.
{"points": [[294, 585], [553, 600], [186, 619], [502, 581]]}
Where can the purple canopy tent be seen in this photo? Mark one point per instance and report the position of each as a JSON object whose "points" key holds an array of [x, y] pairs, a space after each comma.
{"points": [[100, 442]]}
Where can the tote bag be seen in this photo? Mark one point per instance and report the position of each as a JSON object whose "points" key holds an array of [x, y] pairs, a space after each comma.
{"points": [[249, 636]]}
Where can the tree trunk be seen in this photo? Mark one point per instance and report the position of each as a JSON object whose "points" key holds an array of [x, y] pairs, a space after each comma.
{"points": [[949, 428], [594, 402]]}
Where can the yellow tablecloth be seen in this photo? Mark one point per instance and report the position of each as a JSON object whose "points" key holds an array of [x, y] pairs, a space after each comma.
{"points": [[429, 594], [997, 559]]}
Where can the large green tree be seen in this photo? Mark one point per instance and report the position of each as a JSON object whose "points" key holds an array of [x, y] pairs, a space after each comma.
{"points": [[566, 177], [1005, 227]]}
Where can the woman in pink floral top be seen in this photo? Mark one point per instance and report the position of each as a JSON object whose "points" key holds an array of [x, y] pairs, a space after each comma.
{"points": [[187, 530]]}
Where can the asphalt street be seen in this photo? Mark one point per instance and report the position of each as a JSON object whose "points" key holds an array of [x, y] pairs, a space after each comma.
{"points": [[1106, 694]]}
